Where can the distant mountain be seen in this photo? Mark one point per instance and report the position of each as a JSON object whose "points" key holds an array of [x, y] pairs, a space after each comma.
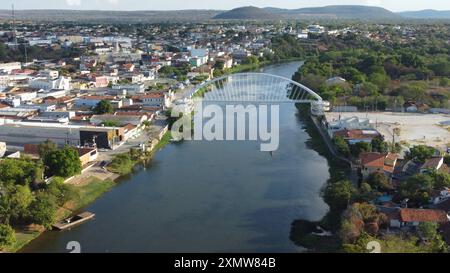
{"points": [[247, 13], [357, 12], [339, 12], [427, 14], [103, 16]]}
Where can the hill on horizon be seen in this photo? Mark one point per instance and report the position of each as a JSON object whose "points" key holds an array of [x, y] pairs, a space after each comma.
{"points": [[427, 14], [346, 12], [339, 12], [247, 13]]}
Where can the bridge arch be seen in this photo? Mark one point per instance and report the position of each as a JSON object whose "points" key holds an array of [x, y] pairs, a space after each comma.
{"points": [[254, 87]]}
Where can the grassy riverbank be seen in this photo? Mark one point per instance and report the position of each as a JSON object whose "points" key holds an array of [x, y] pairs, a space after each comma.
{"points": [[88, 192]]}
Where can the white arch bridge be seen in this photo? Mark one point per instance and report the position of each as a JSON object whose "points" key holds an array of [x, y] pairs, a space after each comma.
{"points": [[257, 88]]}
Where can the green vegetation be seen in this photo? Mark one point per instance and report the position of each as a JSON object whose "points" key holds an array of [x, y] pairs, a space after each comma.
{"points": [[63, 162], [338, 195], [92, 189], [341, 145], [164, 141], [421, 153], [104, 107], [179, 73], [373, 70], [6, 236], [111, 123], [122, 164], [36, 52]]}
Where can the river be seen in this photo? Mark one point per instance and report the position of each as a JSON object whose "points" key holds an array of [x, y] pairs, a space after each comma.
{"points": [[201, 196]]}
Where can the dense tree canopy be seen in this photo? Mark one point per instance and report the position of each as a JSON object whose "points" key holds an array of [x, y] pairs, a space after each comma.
{"points": [[338, 195], [64, 162], [104, 107]]}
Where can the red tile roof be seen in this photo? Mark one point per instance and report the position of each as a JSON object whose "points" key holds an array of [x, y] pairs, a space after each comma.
{"points": [[372, 159], [356, 134], [423, 215], [386, 161]]}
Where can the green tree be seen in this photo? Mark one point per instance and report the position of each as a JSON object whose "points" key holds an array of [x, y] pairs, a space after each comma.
{"points": [[369, 89], [7, 237], [379, 182], [62, 192], [43, 210], [252, 60], [20, 200], [45, 147], [341, 145], [444, 82], [417, 188], [366, 193], [421, 153], [104, 107], [19, 171], [381, 80], [122, 164], [378, 145], [338, 195], [429, 232], [441, 180], [360, 147], [64, 162], [219, 64]]}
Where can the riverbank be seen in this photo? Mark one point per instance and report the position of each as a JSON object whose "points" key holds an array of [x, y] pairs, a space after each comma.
{"points": [[252, 67], [89, 190], [305, 233]]}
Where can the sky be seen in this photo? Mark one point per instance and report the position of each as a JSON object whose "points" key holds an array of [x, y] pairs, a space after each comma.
{"points": [[393, 5]]}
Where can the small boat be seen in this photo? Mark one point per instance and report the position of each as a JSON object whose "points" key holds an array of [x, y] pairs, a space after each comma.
{"points": [[73, 221]]}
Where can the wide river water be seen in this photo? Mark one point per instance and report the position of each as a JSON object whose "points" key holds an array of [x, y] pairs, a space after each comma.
{"points": [[201, 196]]}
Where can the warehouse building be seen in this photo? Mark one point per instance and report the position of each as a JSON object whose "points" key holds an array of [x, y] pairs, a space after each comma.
{"points": [[21, 133]]}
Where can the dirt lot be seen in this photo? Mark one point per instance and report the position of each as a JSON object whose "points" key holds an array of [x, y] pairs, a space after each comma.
{"points": [[411, 128]]}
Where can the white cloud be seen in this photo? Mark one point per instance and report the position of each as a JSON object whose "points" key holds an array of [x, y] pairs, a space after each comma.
{"points": [[73, 2]]}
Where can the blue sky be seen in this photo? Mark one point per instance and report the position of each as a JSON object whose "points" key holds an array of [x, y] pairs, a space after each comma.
{"points": [[394, 5]]}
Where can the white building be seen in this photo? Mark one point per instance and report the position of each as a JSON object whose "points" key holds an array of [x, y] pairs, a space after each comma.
{"points": [[352, 123], [132, 89], [9, 67], [62, 83]]}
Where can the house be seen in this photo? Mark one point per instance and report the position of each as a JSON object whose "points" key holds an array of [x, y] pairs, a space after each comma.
{"points": [[351, 123], [92, 101], [441, 199], [8, 67], [62, 83], [122, 119], [402, 217], [101, 81], [356, 136], [151, 99], [433, 164], [378, 162], [130, 131], [132, 89]]}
